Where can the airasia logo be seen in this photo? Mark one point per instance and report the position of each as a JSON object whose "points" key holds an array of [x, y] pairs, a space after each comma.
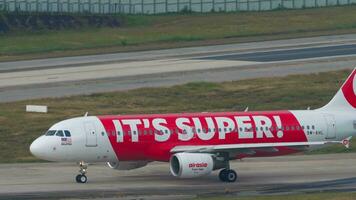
{"points": [[194, 165]]}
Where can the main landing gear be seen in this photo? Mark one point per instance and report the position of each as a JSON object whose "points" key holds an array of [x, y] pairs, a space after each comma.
{"points": [[226, 174], [81, 178]]}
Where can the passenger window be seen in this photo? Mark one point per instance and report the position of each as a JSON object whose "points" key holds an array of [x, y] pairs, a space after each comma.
{"points": [[313, 127], [354, 123], [60, 133], [308, 127], [67, 133], [240, 129]]}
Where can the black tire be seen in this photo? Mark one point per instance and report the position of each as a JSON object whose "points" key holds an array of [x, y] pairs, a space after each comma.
{"points": [[77, 178], [81, 178], [222, 175], [231, 176]]}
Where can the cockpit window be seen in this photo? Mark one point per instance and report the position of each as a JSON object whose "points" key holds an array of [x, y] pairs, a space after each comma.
{"points": [[50, 132], [67, 133], [60, 133]]}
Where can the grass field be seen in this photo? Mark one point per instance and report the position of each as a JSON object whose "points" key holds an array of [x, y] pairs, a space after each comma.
{"points": [[18, 129], [140, 32], [313, 196]]}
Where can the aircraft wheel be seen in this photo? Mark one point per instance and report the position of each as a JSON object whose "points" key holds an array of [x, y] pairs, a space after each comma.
{"points": [[231, 176], [81, 178], [222, 175]]}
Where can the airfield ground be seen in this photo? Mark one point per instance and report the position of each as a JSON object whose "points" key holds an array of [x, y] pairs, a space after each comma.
{"points": [[294, 176]]}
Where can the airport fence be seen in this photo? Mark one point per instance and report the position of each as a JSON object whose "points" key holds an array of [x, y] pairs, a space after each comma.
{"points": [[160, 6]]}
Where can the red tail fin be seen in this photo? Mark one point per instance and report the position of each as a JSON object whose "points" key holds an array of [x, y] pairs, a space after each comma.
{"points": [[345, 98]]}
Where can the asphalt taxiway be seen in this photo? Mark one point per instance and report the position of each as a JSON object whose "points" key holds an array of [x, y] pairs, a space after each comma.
{"points": [[56, 77], [256, 176]]}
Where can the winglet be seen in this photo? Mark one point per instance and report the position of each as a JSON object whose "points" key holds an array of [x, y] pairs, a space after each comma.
{"points": [[346, 142]]}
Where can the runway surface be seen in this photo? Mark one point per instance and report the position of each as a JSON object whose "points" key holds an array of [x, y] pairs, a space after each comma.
{"points": [[58, 77], [279, 175], [293, 54]]}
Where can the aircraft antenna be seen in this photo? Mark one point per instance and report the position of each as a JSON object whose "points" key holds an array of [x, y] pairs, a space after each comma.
{"points": [[246, 109]]}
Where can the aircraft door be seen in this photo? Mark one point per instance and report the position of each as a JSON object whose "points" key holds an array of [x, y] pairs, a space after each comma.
{"points": [[330, 126], [90, 134]]}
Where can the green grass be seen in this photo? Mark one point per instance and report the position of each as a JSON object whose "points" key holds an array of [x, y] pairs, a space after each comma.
{"points": [[313, 196], [18, 129], [175, 30]]}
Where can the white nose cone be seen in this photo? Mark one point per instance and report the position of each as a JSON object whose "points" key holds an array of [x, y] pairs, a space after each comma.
{"points": [[38, 148]]}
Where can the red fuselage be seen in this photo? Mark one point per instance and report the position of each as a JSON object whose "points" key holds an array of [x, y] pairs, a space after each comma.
{"points": [[151, 137]]}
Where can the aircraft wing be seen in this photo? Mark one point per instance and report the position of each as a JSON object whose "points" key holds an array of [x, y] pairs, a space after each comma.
{"points": [[246, 148]]}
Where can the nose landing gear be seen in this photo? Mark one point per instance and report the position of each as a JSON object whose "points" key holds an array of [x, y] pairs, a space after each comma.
{"points": [[81, 178]]}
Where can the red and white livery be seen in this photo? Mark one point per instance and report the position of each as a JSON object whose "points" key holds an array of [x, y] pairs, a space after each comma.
{"points": [[195, 144]]}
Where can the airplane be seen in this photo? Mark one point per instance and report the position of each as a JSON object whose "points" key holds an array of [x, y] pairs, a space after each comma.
{"points": [[195, 144]]}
